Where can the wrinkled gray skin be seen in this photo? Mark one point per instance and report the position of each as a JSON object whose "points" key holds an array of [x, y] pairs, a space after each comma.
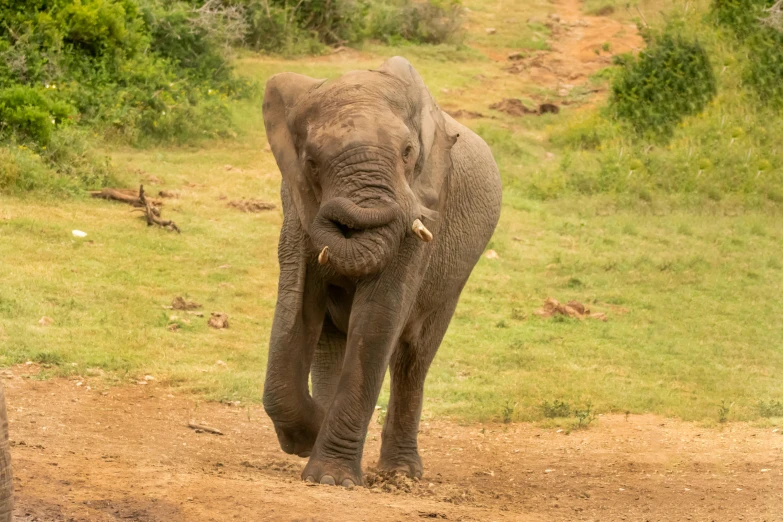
{"points": [[6, 482], [362, 157]]}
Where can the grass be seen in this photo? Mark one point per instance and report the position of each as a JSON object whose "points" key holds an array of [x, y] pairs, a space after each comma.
{"points": [[688, 281]]}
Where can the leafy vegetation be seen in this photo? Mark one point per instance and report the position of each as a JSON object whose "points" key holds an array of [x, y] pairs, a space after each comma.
{"points": [[671, 79], [137, 72]]}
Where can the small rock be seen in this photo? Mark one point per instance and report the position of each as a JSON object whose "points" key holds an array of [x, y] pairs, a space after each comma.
{"points": [[491, 254], [78, 233], [516, 56], [45, 321], [221, 363], [548, 470], [491, 30], [149, 378]]}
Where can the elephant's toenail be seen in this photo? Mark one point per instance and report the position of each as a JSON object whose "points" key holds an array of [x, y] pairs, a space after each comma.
{"points": [[310, 478], [326, 479], [348, 483]]}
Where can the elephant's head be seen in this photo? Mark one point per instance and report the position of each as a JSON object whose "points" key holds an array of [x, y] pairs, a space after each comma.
{"points": [[366, 159]]}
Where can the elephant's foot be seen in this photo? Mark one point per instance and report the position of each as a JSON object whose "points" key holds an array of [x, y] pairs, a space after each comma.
{"points": [[410, 465], [333, 472], [298, 440]]}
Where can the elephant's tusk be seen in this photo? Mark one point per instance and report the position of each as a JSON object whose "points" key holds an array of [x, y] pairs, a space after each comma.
{"points": [[421, 231], [323, 257]]}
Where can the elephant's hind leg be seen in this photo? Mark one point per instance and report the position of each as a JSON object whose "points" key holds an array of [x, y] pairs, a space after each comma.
{"points": [[408, 368], [327, 363]]}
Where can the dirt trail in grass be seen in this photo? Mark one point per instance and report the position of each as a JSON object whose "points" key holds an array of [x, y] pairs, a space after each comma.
{"points": [[581, 46], [84, 454]]}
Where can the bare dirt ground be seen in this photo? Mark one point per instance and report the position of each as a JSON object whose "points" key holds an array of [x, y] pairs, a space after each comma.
{"points": [[82, 453], [581, 45]]}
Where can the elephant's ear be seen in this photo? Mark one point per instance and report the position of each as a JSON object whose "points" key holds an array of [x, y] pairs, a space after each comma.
{"points": [[434, 164], [283, 92]]}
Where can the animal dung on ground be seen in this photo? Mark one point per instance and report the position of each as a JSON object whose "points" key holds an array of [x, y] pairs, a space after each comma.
{"points": [[218, 320], [179, 303], [574, 309], [459, 114], [515, 107], [512, 106], [168, 194], [251, 205]]}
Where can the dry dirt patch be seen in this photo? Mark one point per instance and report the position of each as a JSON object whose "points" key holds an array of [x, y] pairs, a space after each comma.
{"points": [[83, 453], [581, 45]]}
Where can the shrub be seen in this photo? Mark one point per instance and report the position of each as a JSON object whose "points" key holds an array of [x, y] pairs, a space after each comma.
{"points": [[762, 39], [27, 113], [431, 22], [134, 70], [669, 80], [741, 16]]}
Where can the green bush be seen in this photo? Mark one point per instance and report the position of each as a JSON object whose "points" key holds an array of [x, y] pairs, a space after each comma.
{"points": [[765, 68], [763, 45], [669, 80], [135, 70], [305, 27], [741, 16], [27, 113], [431, 22]]}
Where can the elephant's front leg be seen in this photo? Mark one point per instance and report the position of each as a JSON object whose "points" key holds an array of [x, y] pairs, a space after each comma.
{"points": [[299, 317], [377, 318]]}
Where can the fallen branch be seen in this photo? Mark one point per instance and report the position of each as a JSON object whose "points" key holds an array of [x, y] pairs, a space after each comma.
{"points": [[129, 196], [200, 427], [152, 214]]}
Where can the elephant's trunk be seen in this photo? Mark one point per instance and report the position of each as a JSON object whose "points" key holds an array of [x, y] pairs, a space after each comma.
{"points": [[359, 241]]}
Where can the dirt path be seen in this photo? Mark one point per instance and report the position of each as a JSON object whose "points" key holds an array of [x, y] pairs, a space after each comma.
{"points": [[81, 454], [581, 46]]}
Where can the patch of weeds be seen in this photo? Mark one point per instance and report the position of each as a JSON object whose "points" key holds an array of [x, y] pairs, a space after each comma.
{"points": [[771, 408], [574, 283], [508, 411], [501, 324], [517, 314], [584, 416], [555, 409], [381, 419], [48, 358], [723, 411]]}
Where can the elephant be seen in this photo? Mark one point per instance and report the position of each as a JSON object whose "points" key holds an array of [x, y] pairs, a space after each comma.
{"points": [[6, 480], [388, 204]]}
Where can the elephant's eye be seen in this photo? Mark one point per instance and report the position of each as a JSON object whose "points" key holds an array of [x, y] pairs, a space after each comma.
{"points": [[406, 154], [312, 168]]}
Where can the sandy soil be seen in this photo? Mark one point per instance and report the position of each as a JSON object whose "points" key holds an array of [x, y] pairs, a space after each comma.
{"points": [[126, 453]]}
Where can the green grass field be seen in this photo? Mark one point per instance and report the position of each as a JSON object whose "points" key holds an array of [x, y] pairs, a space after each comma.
{"points": [[691, 287]]}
